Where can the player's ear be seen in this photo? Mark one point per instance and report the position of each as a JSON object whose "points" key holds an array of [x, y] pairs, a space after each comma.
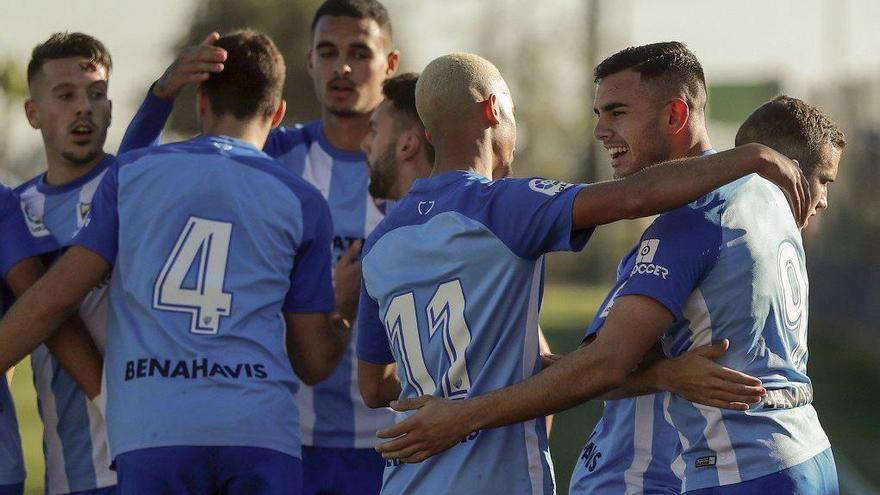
{"points": [[491, 111], [279, 113], [393, 63], [30, 111], [309, 67], [408, 144], [677, 115]]}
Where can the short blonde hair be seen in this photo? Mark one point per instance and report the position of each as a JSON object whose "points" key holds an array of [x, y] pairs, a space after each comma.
{"points": [[451, 84]]}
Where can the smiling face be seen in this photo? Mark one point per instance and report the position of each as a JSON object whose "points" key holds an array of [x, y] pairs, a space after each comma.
{"points": [[69, 106], [630, 122], [348, 61]]}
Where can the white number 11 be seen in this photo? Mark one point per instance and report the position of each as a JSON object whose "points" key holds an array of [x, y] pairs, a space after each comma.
{"points": [[445, 313]]}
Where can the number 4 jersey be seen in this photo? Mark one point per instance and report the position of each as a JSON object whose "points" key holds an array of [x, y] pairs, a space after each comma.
{"points": [[452, 288], [211, 240]]}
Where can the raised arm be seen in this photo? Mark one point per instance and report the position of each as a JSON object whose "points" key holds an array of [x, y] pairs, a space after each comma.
{"points": [[34, 317], [675, 183], [194, 65]]}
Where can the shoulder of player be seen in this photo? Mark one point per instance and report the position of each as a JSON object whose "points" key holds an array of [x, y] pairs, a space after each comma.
{"points": [[284, 138], [701, 216]]}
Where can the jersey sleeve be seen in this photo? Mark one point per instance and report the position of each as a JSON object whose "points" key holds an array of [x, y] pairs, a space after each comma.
{"points": [[372, 342], [145, 129], [534, 216], [311, 281], [100, 233], [16, 241], [674, 255]]}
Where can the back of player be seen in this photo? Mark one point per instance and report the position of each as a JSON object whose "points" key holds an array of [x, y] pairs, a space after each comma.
{"points": [[211, 241], [746, 262], [452, 286], [761, 262]]}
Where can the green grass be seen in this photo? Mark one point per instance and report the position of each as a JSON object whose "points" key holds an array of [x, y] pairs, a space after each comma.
{"points": [[845, 379]]}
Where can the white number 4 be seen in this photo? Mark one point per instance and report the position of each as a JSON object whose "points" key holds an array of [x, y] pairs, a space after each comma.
{"points": [[204, 243]]}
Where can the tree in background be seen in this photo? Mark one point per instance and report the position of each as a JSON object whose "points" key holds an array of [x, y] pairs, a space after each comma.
{"points": [[287, 22]]}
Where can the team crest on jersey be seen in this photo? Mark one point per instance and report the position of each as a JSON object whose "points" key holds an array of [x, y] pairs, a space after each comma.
{"points": [[425, 207], [83, 210], [35, 223], [548, 186]]}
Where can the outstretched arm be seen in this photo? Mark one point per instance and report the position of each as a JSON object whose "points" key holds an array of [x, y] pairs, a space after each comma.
{"points": [[33, 319], [634, 324], [675, 183]]}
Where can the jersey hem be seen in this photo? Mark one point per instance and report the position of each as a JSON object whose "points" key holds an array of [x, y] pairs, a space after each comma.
{"points": [[782, 465]]}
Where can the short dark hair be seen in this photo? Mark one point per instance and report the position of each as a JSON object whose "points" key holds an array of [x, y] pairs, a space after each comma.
{"points": [[66, 45], [670, 63], [356, 9], [400, 90], [252, 78], [794, 128]]}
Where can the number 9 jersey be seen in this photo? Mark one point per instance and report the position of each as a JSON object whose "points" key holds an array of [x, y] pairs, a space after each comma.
{"points": [[211, 240], [452, 288]]}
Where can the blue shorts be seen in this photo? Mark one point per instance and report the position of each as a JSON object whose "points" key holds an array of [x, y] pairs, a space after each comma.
{"points": [[208, 471], [107, 490], [817, 476], [15, 489], [339, 471]]}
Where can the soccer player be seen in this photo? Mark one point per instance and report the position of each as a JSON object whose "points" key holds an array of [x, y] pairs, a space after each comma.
{"points": [[351, 54], [452, 277], [221, 292], [803, 132], [728, 266], [19, 267], [396, 148], [68, 80]]}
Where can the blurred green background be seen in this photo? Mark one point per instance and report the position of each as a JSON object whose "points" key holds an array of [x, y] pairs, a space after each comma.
{"points": [[839, 383]]}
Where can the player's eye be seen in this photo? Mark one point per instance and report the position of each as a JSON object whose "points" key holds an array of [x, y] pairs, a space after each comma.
{"points": [[363, 55], [327, 53], [65, 96], [617, 113]]}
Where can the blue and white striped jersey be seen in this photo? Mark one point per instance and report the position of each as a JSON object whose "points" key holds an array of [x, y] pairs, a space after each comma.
{"points": [[74, 432], [731, 265], [16, 244], [451, 293], [633, 449], [333, 413], [210, 241]]}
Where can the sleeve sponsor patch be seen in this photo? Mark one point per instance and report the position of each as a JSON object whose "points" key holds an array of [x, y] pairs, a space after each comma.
{"points": [[548, 186]]}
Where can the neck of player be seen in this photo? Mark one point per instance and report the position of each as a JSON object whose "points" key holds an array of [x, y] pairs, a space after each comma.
{"points": [[459, 149], [345, 132], [61, 171], [253, 131], [694, 141]]}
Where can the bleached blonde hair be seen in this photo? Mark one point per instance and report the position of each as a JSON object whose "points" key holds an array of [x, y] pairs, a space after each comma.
{"points": [[450, 85]]}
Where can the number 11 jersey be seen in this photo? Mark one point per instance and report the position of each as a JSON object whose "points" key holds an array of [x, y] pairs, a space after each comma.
{"points": [[452, 289]]}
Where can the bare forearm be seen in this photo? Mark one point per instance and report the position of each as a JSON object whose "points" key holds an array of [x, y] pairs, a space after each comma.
{"points": [[77, 353], [642, 381], [315, 348], [577, 377], [664, 186], [29, 323]]}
